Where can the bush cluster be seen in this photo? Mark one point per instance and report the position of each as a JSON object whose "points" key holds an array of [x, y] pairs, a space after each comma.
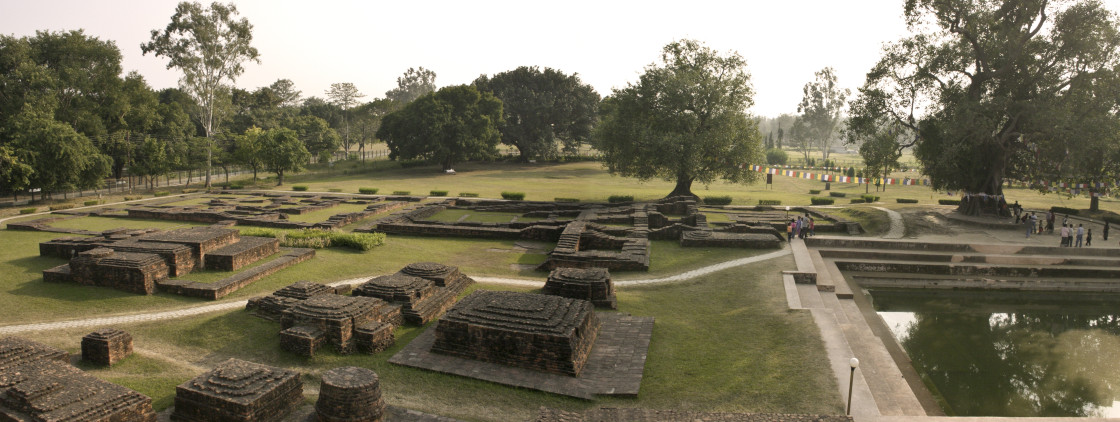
{"points": [[837, 194], [858, 200], [775, 156], [402, 192], [133, 198], [906, 201], [717, 200], [438, 193], [949, 201], [299, 188], [468, 194], [318, 239], [814, 191], [869, 198], [1064, 210], [566, 199], [60, 207], [162, 193], [235, 186], [769, 202], [94, 202], [620, 198], [28, 210], [513, 196], [818, 200], [367, 191]]}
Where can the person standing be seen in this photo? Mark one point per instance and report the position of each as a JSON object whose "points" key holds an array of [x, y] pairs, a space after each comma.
{"points": [[1080, 234], [1050, 221], [789, 231], [1030, 225], [1089, 238], [812, 227], [1065, 236]]}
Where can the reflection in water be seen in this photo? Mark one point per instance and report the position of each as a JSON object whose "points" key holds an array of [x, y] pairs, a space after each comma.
{"points": [[1011, 354]]}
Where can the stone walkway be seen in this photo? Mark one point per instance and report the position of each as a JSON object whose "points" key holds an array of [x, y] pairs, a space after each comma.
{"points": [[225, 306], [898, 228]]}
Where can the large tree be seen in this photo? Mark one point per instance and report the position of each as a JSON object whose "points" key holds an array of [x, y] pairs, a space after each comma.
{"points": [[540, 107], [316, 134], [454, 124], [209, 45], [415, 83], [345, 96], [685, 120], [283, 152], [822, 102], [981, 83]]}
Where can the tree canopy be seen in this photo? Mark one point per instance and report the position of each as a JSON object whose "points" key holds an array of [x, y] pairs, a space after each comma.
{"points": [[540, 107], [998, 90], [414, 84], [453, 124], [684, 120], [822, 103], [283, 152]]}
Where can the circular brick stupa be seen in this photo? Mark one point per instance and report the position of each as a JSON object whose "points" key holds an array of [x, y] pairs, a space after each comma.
{"points": [[350, 394]]}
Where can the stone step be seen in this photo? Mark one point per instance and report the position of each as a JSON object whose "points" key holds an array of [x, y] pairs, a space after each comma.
{"points": [[923, 281], [978, 270], [969, 257], [834, 242]]}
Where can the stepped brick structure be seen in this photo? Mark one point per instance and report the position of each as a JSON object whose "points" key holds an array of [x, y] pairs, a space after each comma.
{"points": [[37, 383], [247, 251], [590, 284], [106, 346], [273, 306], [541, 332], [335, 319], [127, 271], [425, 290], [239, 391], [350, 394]]}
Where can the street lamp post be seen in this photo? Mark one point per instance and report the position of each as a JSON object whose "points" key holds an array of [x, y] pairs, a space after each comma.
{"points": [[854, 363]]}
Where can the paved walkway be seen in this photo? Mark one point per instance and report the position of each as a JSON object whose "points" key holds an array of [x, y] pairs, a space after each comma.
{"points": [[225, 306], [898, 228]]}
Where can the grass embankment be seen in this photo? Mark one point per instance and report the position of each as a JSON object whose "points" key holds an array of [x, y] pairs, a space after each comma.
{"points": [[724, 343]]}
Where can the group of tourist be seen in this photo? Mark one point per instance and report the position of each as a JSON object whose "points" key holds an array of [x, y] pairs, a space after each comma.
{"points": [[1070, 236], [800, 227]]}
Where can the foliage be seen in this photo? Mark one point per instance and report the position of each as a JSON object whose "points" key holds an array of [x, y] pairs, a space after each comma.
{"points": [[858, 201], [870, 198], [776, 157], [345, 96], [299, 188], [61, 159], [769, 202], [150, 160], [949, 201], [438, 193], [513, 196], [817, 200], [822, 103], [60, 207], [415, 83], [283, 152], [248, 149], [880, 148], [815, 191], [367, 191], [209, 45], [162, 193], [24, 211], [454, 124], [318, 239], [684, 120], [999, 89], [316, 134], [906, 201], [620, 198], [468, 194], [540, 107], [837, 194], [1065, 210], [717, 200], [91, 203], [334, 190]]}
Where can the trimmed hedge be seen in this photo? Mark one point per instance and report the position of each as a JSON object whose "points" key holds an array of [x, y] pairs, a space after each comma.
{"points": [[870, 198], [468, 194], [814, 191], [438, 193], [513, 196], [60, 207], [817, 200], [299, 188], [906, 201], [769, 202], [133, 198], [837, 194], [367, 191], [949, 201], [858, 200], [402, 192], [717, 200], [28, 210], [318, 239], [566, 199], [1064, 210], [94, 202], [620, 198], [162, 193], [235, 186]]}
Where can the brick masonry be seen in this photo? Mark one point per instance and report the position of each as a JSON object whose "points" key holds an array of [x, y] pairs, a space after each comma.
{"points": [[239, 391], [106, 346]]}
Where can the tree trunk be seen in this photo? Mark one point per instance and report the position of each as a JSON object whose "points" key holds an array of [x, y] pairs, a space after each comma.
{"points": [[683, 188], [1094, 202], [279, 178]]}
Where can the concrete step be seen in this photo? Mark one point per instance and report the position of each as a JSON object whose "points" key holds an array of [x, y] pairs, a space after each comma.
{"points": [[978, 270], [968, 257], [833, 242], [939, 282]]}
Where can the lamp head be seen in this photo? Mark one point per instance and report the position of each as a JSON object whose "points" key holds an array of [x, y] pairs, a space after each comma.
{"points": [[854, 363]]}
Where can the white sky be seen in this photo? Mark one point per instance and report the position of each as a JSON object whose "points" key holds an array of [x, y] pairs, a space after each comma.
{"points": [[608, 43]]}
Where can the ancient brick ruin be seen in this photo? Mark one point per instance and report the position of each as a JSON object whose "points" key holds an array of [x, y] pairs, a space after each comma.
{"points": [[425, 290], [140, 261], [240, 391], [272, 307], [267, 210], [37, 383], [106, 346], [590, 284], [541, 332], [348, 323], [350, 394]]}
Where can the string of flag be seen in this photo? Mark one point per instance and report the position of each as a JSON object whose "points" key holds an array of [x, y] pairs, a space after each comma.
{"points": [[908, 181]]}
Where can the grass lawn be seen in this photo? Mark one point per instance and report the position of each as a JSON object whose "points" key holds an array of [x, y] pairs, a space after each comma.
{"points": [[323, 215], [722, 343]]}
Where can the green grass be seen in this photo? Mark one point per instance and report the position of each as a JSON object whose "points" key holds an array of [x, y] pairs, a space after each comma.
{"points": [[453, 215], [323, 215], [107, 223]]}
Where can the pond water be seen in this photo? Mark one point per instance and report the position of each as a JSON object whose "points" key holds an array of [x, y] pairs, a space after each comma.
{"points": [[1011, 354]]}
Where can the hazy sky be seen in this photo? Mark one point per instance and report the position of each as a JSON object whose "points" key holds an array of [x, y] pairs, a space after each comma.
{"points": [[608, 43]]}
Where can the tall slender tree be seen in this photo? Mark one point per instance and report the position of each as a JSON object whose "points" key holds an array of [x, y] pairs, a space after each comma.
{"points": [[345, 95], [822, 103]]}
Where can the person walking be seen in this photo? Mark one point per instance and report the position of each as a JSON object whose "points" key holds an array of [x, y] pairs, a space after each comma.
{"points": [[1030, 225], [1065, 236], [1080, 234], [1089, 238]]}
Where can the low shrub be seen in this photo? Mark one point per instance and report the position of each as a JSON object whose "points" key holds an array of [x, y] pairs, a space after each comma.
{"points": [[299, 188], [94, 202], [949, 201], [837, 194], [28, 210], [334, 190], [318, 239], [162, 193], [438, 193], [262, 232], [869, 198], [620, 198], [513, 196], [906, 201], [468, 194], [818, 200], [814, 191], [358, 241], [402, 192], [769, 202], [133, 198], [235, 186], [858, 200], [60, 207], [1064, 210], [367, 191], [717, 200], [566, 199]]}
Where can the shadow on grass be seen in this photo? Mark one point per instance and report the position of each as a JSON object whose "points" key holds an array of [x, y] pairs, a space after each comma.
{"points": [[36, 264]]}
